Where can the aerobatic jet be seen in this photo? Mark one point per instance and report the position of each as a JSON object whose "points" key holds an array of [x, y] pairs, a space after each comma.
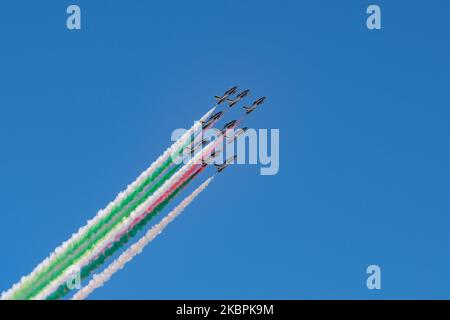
{"points": [[230, 125], [239, 97], [226, 95], [254, 105], [215, 117]]}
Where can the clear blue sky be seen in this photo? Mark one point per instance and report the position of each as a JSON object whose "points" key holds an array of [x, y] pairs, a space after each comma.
{"points": [[364, 127]]}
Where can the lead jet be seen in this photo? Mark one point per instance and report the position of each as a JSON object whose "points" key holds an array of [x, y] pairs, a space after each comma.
{"points": [[226, 95], [215, 117], [254, 105], [222, 166], [243, 94]]}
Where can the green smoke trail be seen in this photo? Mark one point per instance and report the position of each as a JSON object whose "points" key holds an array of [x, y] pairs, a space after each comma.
{"points": [[22, 292], [27, 286], [87, 270], [74, 256], [128, 211]]}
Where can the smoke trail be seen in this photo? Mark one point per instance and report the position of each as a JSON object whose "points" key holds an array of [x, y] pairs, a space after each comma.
{"points": [[84, 256], [18, 289], [108, 236], [91, 240], [183, 173], [124, 224], [100, 258], [154, 208], [162, 198], [100, 279]]}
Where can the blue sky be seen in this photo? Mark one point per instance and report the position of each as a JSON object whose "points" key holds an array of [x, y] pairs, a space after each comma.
{"points": [[363, 118]]}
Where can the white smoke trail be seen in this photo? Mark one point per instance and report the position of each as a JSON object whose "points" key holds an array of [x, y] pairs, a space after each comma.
{"points": [[122, 195], [100, 279], [125, 224]]}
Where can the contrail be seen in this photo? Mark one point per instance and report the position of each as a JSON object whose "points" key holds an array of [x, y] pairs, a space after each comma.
{"points": [[101, 230], [20, 288], [53, 279], [94, 250], [100, 259], [56, 278], [100, 279], [97, 246], [124, 235]]}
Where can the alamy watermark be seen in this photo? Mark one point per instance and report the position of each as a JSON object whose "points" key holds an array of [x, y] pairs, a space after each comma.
{"points": [[374, 279], [73, 21], [373, 22], [243, 146]]}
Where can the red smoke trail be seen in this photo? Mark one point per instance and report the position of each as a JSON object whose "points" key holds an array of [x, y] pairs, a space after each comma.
{"points": [[193, 170]]}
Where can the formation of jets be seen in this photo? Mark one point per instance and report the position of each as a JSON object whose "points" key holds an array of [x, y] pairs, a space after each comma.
{"points": [[227, 96]]}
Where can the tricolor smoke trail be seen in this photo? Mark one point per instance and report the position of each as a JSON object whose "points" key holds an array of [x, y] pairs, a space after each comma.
{"points": [[100, 279], [21, 289], [99, 259], [91, 255], [101, 231], [162, 192], [53, 279], [96, 247], [113, 227]]}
